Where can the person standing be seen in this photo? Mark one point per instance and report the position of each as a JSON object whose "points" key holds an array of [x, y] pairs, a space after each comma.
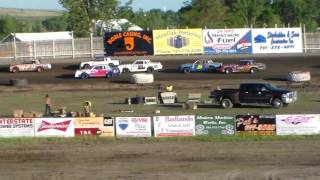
{"points": [[48, 105]]}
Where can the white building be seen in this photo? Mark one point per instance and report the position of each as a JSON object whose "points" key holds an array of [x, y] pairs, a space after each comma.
{"points": [[42, 36]]}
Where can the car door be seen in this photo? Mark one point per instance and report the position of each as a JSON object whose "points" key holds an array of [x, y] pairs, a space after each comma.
{"points": [[264, 95], [248, 94], [138, 66], [98, 71]]}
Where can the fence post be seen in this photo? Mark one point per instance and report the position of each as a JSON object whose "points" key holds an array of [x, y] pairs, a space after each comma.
{"points": [[34, 49], [304, 39], [14, 46], [91, 44], [72, 42], [53, 49]]}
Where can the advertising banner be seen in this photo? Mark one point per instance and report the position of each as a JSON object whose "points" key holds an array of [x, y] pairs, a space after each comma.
{"points": [[277, 40], [16, 127], [298, 124], [133, 126], [58, 127], [227, 41], [215, 125], [177, 41], [94, 126], [166, 126], [255, 125], [128, 43]]}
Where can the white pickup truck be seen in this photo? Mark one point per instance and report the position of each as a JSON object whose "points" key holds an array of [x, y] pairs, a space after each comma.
{"points": [[99, 61], [140, 66]]}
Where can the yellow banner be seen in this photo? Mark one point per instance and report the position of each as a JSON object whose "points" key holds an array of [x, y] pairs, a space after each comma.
{"points": [[177, 41], [98, 126]]}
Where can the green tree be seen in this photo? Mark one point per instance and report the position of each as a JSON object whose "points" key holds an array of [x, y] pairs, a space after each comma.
{"points": [[8, 25], [58, 23]]}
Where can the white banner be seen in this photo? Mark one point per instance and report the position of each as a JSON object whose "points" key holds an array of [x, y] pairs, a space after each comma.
{"points": [[133, 126], [165, 126], [277, 40], [16, 127], [227, 41], [58, 127], [298, 124]]}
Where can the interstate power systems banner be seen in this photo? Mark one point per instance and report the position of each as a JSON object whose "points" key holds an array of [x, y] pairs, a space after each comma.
{"points": [[227, 41], [128, 43], [277, 40], [178, 41]]}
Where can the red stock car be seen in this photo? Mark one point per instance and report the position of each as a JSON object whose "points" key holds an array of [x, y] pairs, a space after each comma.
{"points": [[247, 66]]}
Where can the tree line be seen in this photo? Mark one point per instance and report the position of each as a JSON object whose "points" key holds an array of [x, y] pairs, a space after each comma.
{"points": [[80, 15]]}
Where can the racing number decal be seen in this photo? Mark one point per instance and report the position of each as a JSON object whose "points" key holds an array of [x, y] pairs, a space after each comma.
{"points": [[129, 43]]}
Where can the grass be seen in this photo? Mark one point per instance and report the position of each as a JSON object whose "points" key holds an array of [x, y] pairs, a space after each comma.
{"points": [[110, 103]]}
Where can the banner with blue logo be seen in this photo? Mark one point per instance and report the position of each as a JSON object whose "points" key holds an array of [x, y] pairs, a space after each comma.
{"points": [[227, 41], [277, 40], [133, 126]]}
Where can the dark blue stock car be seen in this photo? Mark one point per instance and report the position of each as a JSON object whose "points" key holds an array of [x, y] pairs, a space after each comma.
{"points": [[200, 66]]}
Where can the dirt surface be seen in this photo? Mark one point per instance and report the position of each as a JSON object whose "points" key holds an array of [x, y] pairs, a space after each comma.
{"points": [[270, 160]]}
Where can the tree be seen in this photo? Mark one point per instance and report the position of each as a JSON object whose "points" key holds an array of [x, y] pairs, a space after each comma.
{"points": [[58, 23], [8, 25]]}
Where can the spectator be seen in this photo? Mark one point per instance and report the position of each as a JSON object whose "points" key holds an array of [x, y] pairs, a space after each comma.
{"points": [[48, 105]]}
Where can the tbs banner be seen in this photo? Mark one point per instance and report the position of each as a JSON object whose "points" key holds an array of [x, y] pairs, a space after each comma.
{"points": [[165, 126], [133, 126], [227, 41], [299, 124], [256, 125], [277, 40], [178, 41], [128, 43], [215, 125], [14, 127], [95, 126], [58, 127]]}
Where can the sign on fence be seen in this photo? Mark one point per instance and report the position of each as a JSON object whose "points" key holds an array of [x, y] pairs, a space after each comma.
{"points": [[128, 43], [255, 125], [14, 127], [227, 41], [215, 125], [277, 40], [298, 124], [95, 126], [133, 126], [177, 41], [165, 126], [58, 127]]}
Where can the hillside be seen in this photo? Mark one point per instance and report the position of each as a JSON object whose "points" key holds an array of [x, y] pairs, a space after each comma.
{"points": [[29, 13]]}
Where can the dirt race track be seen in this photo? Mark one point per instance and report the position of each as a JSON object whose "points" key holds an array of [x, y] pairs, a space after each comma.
{"points": [[267, 160]]}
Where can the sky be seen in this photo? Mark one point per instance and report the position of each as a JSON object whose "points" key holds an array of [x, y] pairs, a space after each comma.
{"points": [[54, 4]]}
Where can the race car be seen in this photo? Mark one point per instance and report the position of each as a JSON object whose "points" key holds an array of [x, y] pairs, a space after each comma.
{"points": [[248, 66], [30, 65], [97, 71], [200, 66], [140, 66], [99, 61]]}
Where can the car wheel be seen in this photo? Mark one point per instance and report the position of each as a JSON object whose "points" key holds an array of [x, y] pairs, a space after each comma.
{"points": [[86, 66], [253, 70], [150, 69], [226, 103], [186, 70], [84, 76], [39, 69], [228, 71], [277, 103], [15, 69], [125, 70]]}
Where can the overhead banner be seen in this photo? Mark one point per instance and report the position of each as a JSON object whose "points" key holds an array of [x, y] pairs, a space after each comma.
{"points": [[214, 125], [255, 125], [177, 41], [16, 127], [227, 41], [128, 43], [166, 126], [133, 126], [298, 124], [57, 127], [277, 40], [94, 126]]}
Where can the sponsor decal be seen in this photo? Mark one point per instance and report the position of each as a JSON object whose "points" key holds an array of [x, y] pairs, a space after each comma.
{"points": [[297, 119], [61, 126]]}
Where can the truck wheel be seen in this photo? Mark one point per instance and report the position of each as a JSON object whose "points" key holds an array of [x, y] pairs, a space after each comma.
{"points": [[150, 69], [84, 76], [125, 70], [277, 103], [226, 103], [39, 69], [15, 69], [228, 71], [253, 70], [186, 70], [86, 66]]}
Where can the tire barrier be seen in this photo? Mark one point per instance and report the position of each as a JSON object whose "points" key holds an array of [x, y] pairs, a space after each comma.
{"points": [[299, 76], [141, 78]]}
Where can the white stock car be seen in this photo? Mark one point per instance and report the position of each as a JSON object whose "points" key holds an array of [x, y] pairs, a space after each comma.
{"points": [[30, 65], [140, 66], [100, 61]]}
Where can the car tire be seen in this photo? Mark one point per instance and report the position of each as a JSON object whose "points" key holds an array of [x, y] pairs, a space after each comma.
{"points": [[253, 70], [15, 69], [228, 71], [277, 103], [39, 69], [84, 76], [125, 70], [226, 103], [86, 66], [150, 69], [186, 70]]}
